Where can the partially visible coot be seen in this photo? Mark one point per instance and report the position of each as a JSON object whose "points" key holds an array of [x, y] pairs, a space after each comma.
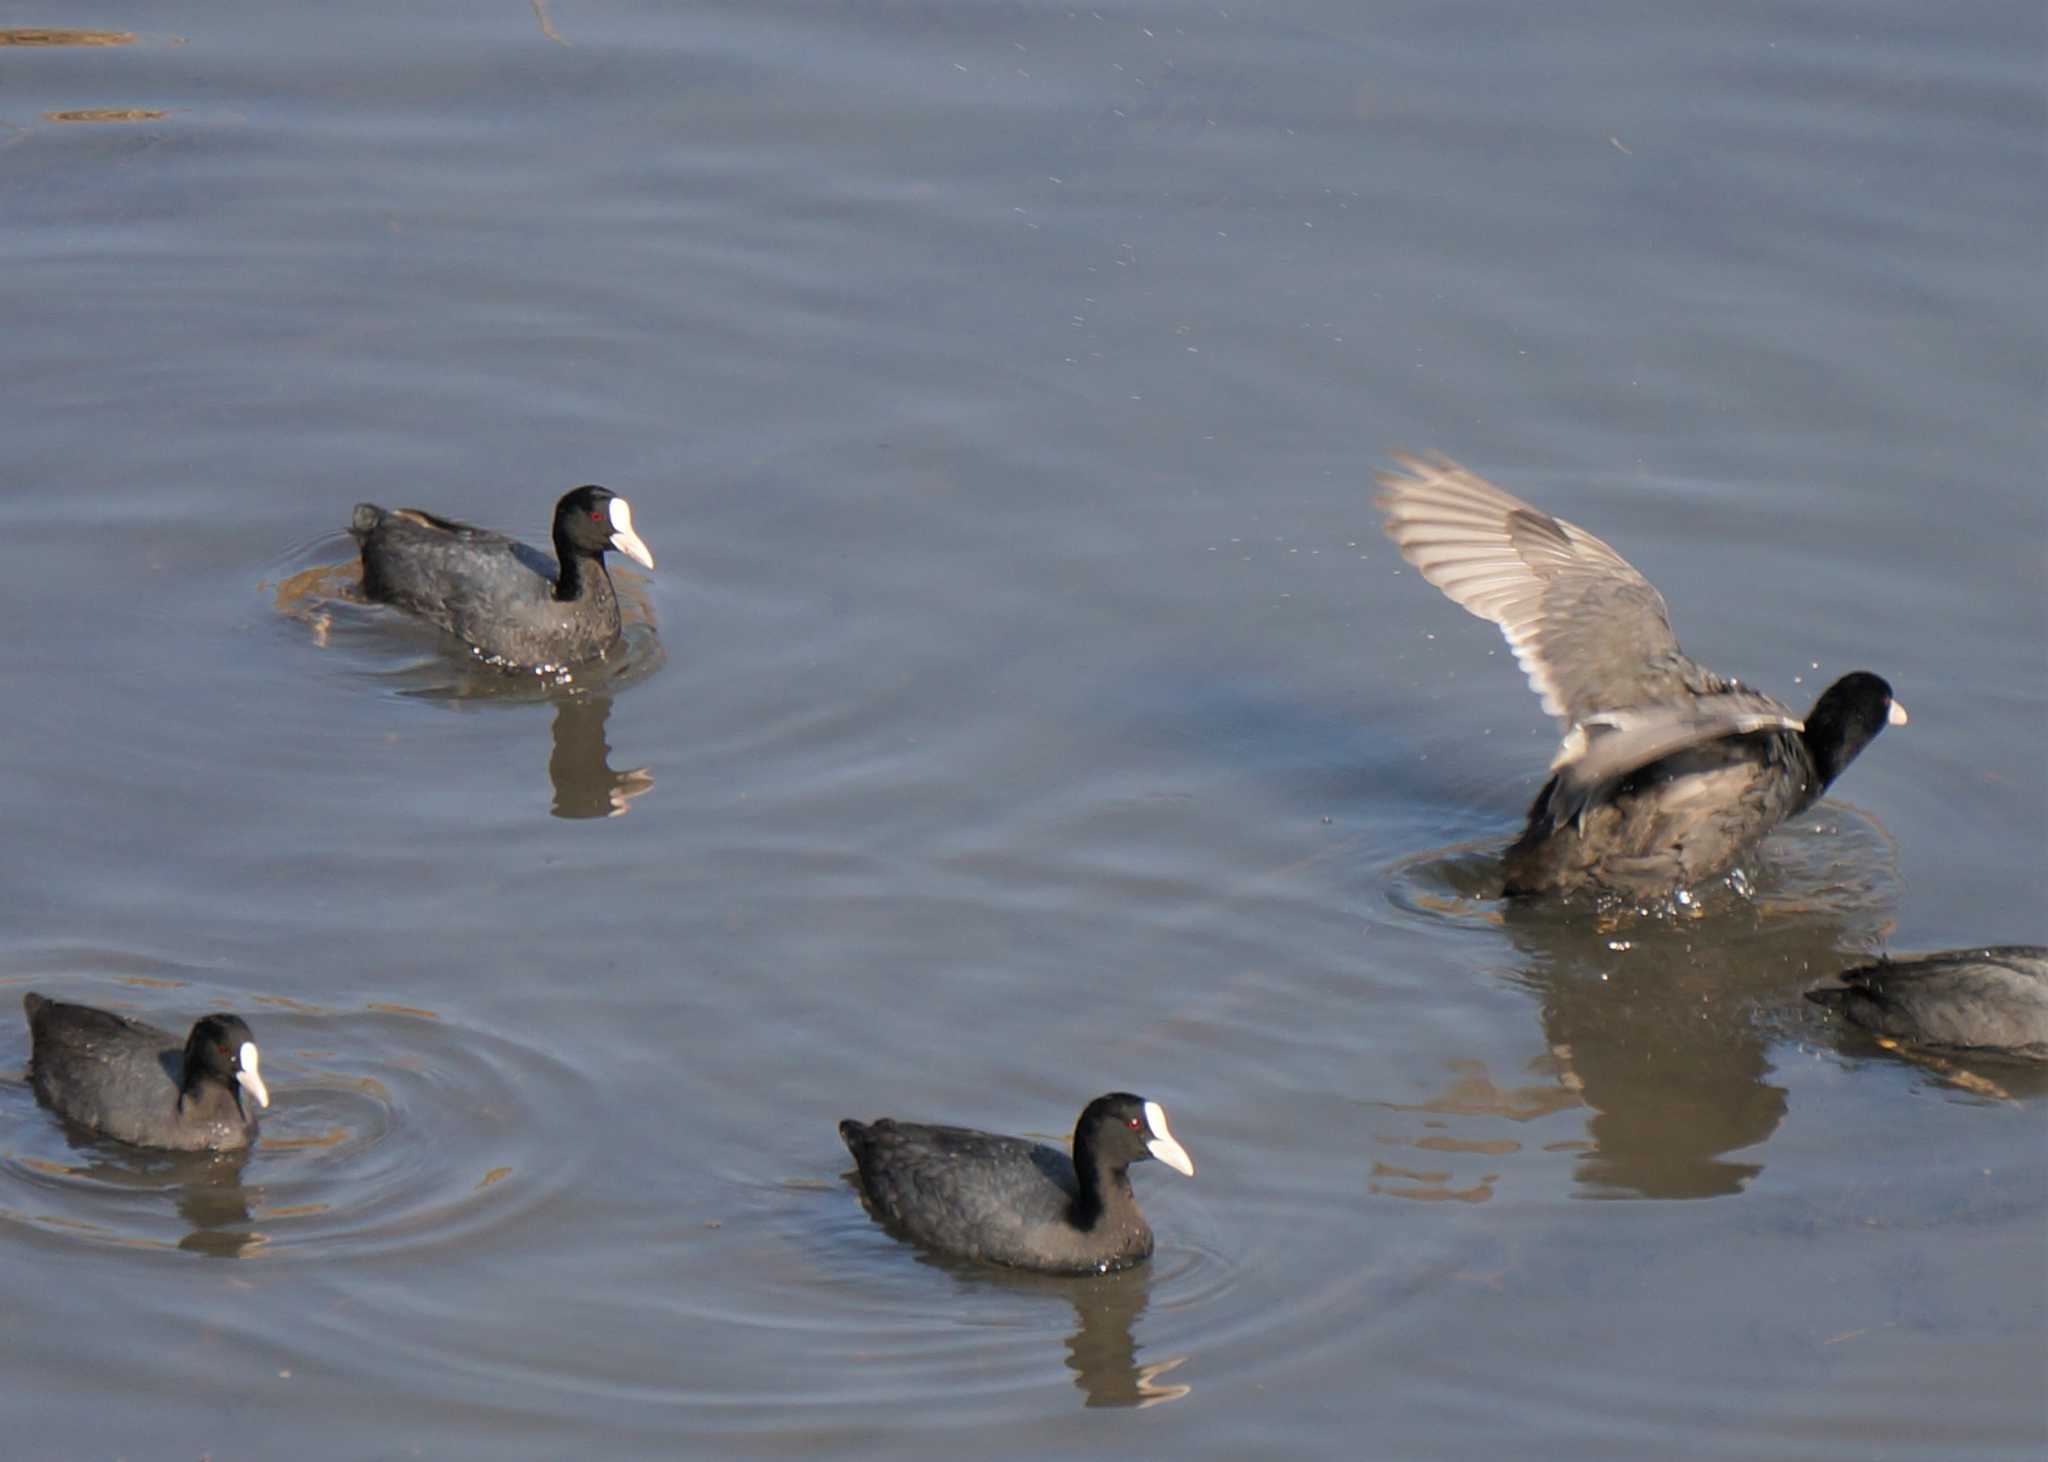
{"points": [[1668, 772], [506, 601], [138, 1084], [1003, 1200], [1993, 999]]}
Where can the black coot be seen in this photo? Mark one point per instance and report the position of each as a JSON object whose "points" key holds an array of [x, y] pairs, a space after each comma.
{"points": [[1992, 999], [133, 1082], [506, 601], [1004, 1200], [1667, 772]]}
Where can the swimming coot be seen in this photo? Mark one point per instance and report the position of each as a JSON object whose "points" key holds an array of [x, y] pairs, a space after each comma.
{"points": [[133, 1082], [1004, 1200], [1993, 999], [511, 606], [1667, 772]]}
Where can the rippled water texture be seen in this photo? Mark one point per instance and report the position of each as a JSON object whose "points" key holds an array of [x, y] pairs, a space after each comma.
{"points": [[1026, 706], [357, 1161]]}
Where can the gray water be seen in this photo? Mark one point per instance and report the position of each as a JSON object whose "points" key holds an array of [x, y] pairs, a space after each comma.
{"points": [[1025, 706]]}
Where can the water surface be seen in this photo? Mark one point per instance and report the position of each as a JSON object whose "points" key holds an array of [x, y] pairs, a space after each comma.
{"points": [[1026, 706]]}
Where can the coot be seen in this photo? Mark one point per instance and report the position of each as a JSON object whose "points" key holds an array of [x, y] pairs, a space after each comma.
{"points": [[1667, 772], [1993, 999], [506, 601], [139, 1084], [1003, 1200]]}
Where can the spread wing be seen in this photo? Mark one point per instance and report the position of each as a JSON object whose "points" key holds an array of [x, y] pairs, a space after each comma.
{"points": [[1588, 630]]}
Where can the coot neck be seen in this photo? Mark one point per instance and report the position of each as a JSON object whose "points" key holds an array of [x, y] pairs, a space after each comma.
{"points": [[192, 1097], [1098, 1186], [574, 567], [192, 1079]]}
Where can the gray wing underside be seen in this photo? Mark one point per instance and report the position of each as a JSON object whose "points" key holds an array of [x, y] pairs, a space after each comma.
{"points": [[1589, 631], [1585, 627], [1598, 753]]}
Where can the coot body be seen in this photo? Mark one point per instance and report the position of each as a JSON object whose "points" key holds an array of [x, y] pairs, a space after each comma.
{"points": [[503, 599], [135, 1083], [1990, 999], [1668, 772], [1005, 1200]]}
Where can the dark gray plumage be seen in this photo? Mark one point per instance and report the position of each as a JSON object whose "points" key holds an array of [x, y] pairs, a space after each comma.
{"points": [[138, 1084], [1004, 1200], [1667, 772], [506, 601], [1992, 999]]}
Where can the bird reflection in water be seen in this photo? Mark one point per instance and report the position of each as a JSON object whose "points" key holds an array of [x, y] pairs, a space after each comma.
{"points": [[1471, 1093], [1102, 1351], [217, 1208], [206, 1186], [584, 783], [1661, 1024], [1669, 1032]]}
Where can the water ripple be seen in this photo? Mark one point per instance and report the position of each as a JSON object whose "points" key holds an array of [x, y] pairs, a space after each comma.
{"points": [[389, 1131]]}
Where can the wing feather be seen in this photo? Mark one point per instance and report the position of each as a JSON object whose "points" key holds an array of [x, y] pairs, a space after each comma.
{"points": [[1590, 633]]}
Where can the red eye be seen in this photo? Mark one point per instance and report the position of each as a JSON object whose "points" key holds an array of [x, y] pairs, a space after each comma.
{"points": [[597, 517], [1133, 1123]]}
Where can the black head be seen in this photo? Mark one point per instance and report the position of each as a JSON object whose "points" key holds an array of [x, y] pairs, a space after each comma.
{"points": [[1120, 1129], [1847, 718], [221, 1048], [590, 520]]}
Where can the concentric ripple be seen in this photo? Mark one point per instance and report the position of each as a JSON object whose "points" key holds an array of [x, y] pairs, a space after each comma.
{"points": [[878, 1324], [389, 1130]]}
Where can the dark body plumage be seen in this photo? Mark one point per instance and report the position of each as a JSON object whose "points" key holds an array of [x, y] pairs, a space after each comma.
{"points": [[1992, 999], [506, 601], [133, 1082], [1005, 1200], [1668, 772]]}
